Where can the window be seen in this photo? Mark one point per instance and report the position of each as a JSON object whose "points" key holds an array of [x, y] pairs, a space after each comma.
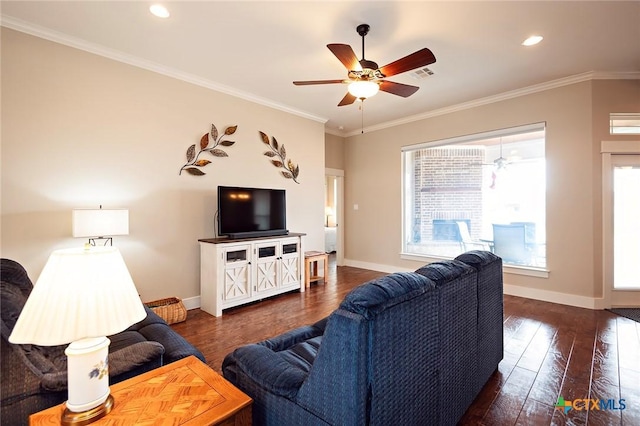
{"points": [[484, 191], [624, 124]]}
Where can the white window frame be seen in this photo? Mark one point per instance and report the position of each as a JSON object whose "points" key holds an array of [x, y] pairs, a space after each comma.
{"points": [[540, 272]]}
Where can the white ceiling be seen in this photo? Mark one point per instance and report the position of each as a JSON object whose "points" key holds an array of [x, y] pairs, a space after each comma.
{"points": [[256, 49]]}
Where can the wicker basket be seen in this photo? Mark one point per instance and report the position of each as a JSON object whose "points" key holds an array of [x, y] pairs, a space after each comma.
{"points": [[171, 309]]}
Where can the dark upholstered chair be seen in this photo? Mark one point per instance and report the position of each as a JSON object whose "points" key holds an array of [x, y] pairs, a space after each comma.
{"points": [[406, 349], [35, 377]]}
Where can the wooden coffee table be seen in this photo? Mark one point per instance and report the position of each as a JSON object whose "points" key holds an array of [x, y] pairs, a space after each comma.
{"points": [[186, 392]]}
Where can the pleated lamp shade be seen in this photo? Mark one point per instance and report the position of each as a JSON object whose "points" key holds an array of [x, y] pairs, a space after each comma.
{"points": [[81, 293]]}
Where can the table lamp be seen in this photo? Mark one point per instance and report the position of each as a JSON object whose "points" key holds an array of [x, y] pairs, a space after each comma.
{"points": [[81, 296], [100, 224], [328, 211]]}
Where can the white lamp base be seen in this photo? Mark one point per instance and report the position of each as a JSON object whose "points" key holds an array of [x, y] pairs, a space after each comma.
{"points": [[88, 381]]}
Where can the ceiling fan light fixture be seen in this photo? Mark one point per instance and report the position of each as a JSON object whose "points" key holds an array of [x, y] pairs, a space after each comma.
{"points": [[363, 89]]}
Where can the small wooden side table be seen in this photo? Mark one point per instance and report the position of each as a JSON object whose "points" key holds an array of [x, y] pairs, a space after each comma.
{"points": [[311, 259], [185, 392]]}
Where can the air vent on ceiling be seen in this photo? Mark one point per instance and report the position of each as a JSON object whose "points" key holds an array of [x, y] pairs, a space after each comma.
{"points": [[421, 73]]}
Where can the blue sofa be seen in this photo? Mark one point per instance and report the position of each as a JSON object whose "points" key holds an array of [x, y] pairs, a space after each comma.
{"points": [[35, 377], [410, 348]]}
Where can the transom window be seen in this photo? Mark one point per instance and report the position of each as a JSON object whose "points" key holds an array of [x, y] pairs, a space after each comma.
{"points": [[483, 191], [624, 123]]}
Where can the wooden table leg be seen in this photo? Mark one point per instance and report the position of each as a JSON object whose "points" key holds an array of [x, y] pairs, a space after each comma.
{"points": [[326, 268]]}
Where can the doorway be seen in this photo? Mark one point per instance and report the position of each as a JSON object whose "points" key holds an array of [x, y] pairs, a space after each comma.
{"points": [[621, 227], [334, 213]]}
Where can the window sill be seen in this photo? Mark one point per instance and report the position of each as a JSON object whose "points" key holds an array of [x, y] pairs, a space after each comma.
{"points": [[531, 271]]}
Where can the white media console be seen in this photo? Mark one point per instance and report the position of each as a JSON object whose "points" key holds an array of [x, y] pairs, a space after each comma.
{"points": [[238, 271]]}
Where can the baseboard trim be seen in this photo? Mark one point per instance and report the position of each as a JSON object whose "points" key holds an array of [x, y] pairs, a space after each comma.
{"points": [[191, 302], [555, 297], [512, 290], [375, 266]]}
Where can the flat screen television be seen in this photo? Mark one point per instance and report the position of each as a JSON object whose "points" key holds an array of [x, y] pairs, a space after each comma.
{"points": [[251, 212]]}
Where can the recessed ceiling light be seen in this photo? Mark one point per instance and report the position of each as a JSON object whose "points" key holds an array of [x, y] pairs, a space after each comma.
{"points": [[534, 39], [159, 10]]}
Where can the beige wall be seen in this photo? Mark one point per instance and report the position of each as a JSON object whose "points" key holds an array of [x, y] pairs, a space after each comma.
{"points": [[576, 117], [334, 159], [80, 130], [334, 151]]}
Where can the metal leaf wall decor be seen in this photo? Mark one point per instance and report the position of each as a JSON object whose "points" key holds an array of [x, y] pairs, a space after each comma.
{"points": [[209, 142], [278, 156]]}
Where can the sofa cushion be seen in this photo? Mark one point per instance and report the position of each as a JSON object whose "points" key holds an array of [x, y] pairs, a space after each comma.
{"points": [[266, 368], [13, 301], [133, 356], [46, 359], [155, 329], [375, 296], [12, 272], [150, 319], [124, 339], [292, 337], [303, 354], [477, 258], [175, 346], [40, 360], [445, 272]]}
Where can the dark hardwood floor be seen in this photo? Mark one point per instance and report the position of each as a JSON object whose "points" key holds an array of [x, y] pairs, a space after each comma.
{"points": [[550, 351]]}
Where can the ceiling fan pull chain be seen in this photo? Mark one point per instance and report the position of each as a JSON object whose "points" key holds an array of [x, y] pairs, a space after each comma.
{"points": [[362, 116]]}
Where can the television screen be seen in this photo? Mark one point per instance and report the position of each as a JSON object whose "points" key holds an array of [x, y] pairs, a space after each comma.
{"points": [[251, 212]]}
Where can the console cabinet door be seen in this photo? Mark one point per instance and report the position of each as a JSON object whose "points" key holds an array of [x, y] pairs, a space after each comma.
{"points": [[290, 263], [236, 273], [266, 262]]}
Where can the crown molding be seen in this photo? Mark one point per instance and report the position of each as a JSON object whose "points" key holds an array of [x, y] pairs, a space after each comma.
{"points": [[553, 84], [629, 75], [335, 132], [116, 55]]}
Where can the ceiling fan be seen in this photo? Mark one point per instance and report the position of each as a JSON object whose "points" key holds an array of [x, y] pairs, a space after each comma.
{"points": [[499, 163], [502, 163], [365, 78]]}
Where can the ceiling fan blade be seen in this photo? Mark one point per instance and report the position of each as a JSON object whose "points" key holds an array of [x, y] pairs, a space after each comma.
{"points": [[309, 82], [347, 100], [399, 89], [345, 54], [421, 58]]}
